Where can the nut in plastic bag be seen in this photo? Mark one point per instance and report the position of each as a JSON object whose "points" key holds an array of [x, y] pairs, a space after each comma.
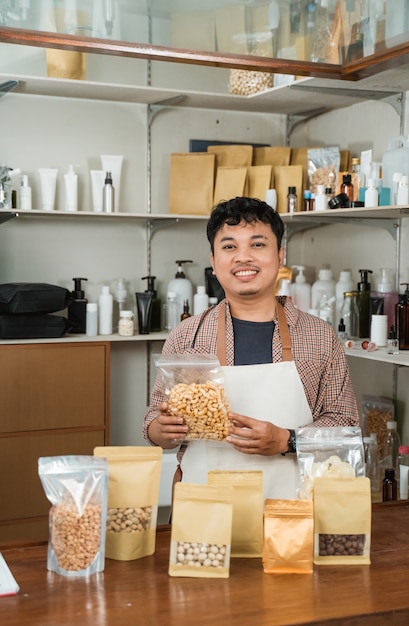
{"points": [[335, 452], [194, 386], [77, 487]]}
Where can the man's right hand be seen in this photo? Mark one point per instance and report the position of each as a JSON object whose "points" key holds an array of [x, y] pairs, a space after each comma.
{"points": [[167, 431]]}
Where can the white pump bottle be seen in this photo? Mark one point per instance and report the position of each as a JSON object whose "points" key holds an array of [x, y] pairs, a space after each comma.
{"points": [[301, 290]]}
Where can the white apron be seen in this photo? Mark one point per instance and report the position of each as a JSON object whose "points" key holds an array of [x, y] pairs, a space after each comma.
{"points": [[271, 392]]}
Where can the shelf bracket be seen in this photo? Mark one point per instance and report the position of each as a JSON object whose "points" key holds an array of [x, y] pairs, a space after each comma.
{"points": [[158, 107], [8, 86]]}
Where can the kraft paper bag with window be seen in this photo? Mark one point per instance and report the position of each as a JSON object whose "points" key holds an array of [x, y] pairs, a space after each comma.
{"points": [[258, 181], [288, 537], [133, 495], [230, 183], [235, 155], [191, 183], [342, 514], [288, 176], [299, 156], [200, 541], [194, 30], [272, 155], [248, 505]]}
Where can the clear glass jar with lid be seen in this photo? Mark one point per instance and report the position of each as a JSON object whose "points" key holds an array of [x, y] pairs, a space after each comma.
{"points": [[126, 324]]}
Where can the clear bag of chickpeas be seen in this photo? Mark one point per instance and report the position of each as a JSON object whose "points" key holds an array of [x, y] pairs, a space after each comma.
{"points": [[77, 487], [193, 384]]}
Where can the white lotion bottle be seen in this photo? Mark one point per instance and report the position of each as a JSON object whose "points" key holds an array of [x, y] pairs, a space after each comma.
{"points": [[200, 300], [105, 311], [71, 189], [371, 194], [301, 290], [25, 194]]}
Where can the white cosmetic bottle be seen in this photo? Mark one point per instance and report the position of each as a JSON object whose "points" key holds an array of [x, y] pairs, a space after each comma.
{"points": [[200, 300], [25, 194], [301, 290], [105, 311], [71, 190]]}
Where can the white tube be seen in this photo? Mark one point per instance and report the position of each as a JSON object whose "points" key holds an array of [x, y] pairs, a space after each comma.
{"points": [[113, 163], [71, 189], [48, 183], [97, 186], [403, 481]]}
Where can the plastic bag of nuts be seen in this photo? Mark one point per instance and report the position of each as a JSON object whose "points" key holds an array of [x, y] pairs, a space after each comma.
{"points": [[77, 487], [248, 82], [194, 386], [376, 412], [133, 495], [335, 452], [323, 167]]}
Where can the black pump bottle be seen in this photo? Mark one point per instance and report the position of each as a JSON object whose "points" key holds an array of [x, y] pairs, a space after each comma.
{"points": [[364, 304], [77, 309], [156, 306]]}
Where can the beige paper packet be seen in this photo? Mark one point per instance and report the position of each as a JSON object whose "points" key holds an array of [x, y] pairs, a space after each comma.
{"points": [[201, 531], [258, 180], [191, 183], [230, 183], [272, 155], [235, 155], [288, 537], [342, 516], [133, 494], [248, 504], [286, 176]]}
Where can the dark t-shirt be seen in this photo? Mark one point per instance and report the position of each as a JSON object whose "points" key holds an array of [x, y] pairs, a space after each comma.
{"points": [[252, 342]]}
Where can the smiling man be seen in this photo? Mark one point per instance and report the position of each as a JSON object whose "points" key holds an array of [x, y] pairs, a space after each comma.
{"points": [[283, 368]]}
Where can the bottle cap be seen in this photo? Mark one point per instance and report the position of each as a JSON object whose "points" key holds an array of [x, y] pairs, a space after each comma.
{"points": [[392, 425], [105, 289], [325, 274], [201, 290], [92, 306], [320, 188], [126, 314], [291, 190], [385, 284], [403, 449], [346, 179], [390, 474], [339, 201]]}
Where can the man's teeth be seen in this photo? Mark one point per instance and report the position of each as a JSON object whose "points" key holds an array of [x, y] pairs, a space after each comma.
{"points": [[246, 273]]}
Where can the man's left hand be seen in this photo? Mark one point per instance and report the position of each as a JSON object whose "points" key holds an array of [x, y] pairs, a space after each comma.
{"points": [[252, 436]]}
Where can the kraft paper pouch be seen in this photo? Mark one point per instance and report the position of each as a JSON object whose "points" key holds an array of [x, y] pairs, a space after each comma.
{"points": [[230, 182], [231, 30], [133, 493], [201, 531], [248, 504], [342, 514], [272, 155], [299, 156], [286, 176], [194, 30], [235, 155], [191, 183], [258, 180], [288, 537], [67, 63]]}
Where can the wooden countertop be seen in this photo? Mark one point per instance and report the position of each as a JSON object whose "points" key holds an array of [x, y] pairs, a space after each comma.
{"points": [[141, 591]]}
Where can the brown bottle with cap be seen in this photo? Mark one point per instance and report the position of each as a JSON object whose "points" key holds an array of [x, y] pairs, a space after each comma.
{"points": [[347, 187]]}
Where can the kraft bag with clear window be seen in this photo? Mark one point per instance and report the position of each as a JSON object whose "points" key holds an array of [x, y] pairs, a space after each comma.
{"points": [[248, 505], [133, 494], [342, 516], [201, 531], [77, 487], [288, 537]]}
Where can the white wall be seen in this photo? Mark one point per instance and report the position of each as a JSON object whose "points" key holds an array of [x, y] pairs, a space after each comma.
{"points": [[53, 132]]}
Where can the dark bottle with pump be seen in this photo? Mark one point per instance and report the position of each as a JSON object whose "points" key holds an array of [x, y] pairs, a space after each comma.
{"points": [[156, 305], [186, 313], [77, 309], [402, 319], [364, 304], [389, 486]]}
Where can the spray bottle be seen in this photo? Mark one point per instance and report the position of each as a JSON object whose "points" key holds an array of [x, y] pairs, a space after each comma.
{"points": [[156, 305], [182, 287], [364, 304], [301, 290]]}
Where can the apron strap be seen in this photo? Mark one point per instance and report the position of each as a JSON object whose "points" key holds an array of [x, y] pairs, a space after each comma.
{"points": [[283, 329]]}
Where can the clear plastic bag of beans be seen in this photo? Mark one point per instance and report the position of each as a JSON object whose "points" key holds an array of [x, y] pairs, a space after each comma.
{"points": [[335, 452], [77, 487], [248, 82], [193, 384]]}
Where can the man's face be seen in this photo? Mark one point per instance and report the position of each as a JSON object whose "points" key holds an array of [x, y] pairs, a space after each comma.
{"points": [[246, 259]]}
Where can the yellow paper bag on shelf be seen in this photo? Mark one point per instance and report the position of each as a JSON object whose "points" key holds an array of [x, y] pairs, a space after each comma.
{"points": [[191, 183], [286, 176], [258, 181], [230, 182], [234, 155]]}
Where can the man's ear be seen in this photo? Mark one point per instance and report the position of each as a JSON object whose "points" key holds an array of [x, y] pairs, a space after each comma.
{"points": [[281, 257], [212, 262]]}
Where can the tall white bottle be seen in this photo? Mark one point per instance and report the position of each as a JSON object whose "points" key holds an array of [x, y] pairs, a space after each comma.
{"points": [[200, 300], [301, 290], [182, 287], [324, 285], [105, 310]]}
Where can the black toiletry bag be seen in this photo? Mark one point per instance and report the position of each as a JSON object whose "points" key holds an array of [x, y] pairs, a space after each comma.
{"points": [[16, 298], [43, 326]]}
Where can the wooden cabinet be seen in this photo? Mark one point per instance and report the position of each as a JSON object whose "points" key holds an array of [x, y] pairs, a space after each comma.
{"points": [[55, 401]]}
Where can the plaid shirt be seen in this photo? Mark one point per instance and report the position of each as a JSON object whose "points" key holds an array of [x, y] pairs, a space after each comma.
{"points": [[317, 352]]}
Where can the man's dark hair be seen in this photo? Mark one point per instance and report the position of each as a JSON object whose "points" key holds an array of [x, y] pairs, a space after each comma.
{"points": [[248, 210]]}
